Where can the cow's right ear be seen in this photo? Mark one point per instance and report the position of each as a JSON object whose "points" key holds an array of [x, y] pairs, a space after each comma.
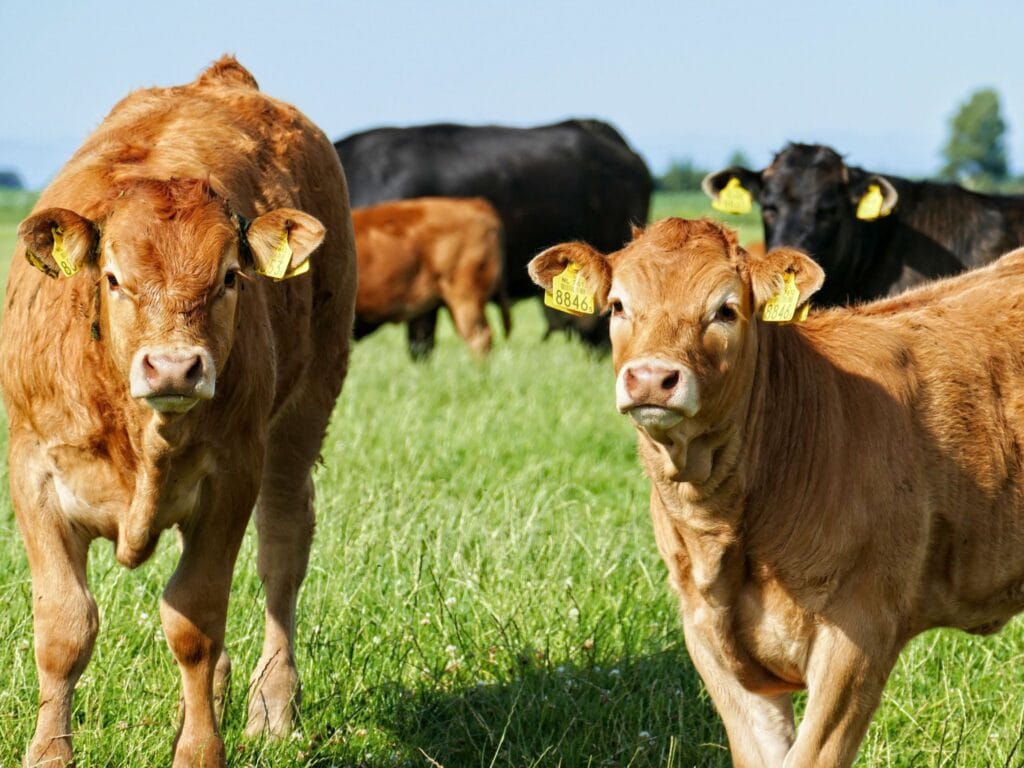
{"points": [[281, 242], [736, 182], [58, 241], [594, 267]]}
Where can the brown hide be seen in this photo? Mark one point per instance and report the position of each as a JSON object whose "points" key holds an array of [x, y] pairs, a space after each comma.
{"points": [[821, 491], [415, 255], [167, 383]]}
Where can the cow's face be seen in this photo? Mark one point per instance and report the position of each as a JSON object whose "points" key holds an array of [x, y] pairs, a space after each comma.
{"points": [[809, 200], [683, 298], [169, 263]]}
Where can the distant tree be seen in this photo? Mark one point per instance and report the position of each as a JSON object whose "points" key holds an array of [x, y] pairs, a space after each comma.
{"points": [[976, 151], [738, 157], [10, 180], [681, 176]]}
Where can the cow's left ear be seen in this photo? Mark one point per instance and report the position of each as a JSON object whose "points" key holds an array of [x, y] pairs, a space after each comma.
{"points": [[58, 241], [768, 275], [281, 242], [873, 196], [594, 267]]}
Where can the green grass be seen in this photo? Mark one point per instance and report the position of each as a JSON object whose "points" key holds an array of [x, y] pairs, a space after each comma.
{"points": [[484, 591], [694, 205]]}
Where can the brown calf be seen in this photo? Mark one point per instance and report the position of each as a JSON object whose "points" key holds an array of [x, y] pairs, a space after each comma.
{"points": [[415, 255], [821, 491], [153, 378]]}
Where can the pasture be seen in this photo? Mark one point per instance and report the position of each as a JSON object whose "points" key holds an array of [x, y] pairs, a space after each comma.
{"points": [[484, 591]]}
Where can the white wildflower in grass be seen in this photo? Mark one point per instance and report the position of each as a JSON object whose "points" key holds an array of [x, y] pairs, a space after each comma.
{"points": [[574, 614], [376, 640], [449, 601], [615, 673], [425, 620], [450, 650]]}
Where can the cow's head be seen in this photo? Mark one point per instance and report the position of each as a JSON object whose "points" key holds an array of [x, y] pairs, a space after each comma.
{"points": [[811, 200], [684, 300], [168, 262]]}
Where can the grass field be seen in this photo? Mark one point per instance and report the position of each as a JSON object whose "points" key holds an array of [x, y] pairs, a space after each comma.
{"points": [[484, 591]]}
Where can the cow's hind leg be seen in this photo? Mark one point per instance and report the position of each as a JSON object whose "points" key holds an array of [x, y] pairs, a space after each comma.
{"points": [[65, 622], [284, 521], [421, 333]]}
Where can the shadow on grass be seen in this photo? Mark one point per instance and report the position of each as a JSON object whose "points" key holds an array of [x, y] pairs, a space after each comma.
{"points": [[647, 711]]}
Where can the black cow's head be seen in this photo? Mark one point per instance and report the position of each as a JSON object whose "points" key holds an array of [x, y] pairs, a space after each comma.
{"points": [[811, 200]]}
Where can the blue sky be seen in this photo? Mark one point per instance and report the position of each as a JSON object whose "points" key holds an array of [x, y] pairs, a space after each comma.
{"points": [[877, 80]]}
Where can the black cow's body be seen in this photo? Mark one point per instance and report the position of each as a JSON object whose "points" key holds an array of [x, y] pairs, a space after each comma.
{"points": [[809, 198], [575, 180]]}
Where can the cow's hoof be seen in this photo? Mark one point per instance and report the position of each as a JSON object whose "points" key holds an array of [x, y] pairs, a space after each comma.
{"points": [[273, 700]]}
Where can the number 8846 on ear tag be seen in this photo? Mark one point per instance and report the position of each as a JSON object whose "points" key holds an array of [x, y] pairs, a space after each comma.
{"points": [[569, 293]]}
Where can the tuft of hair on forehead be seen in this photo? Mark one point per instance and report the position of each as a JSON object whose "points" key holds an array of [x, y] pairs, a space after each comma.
{"points": [[671, 234], [174, 198], [807, 156]]}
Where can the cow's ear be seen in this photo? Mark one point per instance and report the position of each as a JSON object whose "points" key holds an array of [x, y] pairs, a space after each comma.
{"points": [[873, 196], [768, 275], [281, 241], [733, 189], [594, 267], [58, 241]]}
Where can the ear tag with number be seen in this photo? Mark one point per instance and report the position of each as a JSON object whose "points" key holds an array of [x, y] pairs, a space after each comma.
{"points": [[781, 307], [569, 293], [60, 253], [279, 260], [870, 206], [734, 198]]}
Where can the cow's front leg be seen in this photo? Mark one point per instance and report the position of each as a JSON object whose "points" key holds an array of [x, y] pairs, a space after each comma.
{"points": [[65, 622], [760, 727], [845, 680], [193, 612]]}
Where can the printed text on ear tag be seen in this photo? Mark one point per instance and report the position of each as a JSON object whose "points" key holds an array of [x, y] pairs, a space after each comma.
{"points": [[734, 198], [279, 260], [870, 206], [569, 293], [60, 253], [780, 307]]}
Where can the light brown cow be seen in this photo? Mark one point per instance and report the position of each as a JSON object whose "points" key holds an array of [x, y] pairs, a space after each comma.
{"points": [[415, 255], [153, 379], [821, 491]]}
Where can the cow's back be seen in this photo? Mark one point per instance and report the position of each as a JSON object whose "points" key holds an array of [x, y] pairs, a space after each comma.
{"points": [[573, 180]]}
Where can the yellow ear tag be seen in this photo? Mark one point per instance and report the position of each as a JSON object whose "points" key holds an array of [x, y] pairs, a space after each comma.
{"points": [[38, 263], [734, 198], [302, 269], [780, 307], [60, 253], [569, 293], [280, 259], [870, 206]]}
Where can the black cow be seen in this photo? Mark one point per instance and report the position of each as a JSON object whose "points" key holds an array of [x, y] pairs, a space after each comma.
{"points": [[874, 235], [575, 180]]}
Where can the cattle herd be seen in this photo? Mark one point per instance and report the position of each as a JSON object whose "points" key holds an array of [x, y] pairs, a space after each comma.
{"points": [[824, 486]]}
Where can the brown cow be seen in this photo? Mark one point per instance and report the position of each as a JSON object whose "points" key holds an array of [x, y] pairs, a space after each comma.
{"points": [[160, 381], [415, 255], [821, 491]]}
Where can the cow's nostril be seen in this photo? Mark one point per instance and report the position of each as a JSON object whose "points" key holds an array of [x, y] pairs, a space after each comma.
{"points": [[195, 371], [148, 368], [670, 381]]}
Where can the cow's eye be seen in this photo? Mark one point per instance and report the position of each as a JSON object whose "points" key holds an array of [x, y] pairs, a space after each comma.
{"points": [[726, 314], [616, 308], [112, 283], [231, 279]]}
